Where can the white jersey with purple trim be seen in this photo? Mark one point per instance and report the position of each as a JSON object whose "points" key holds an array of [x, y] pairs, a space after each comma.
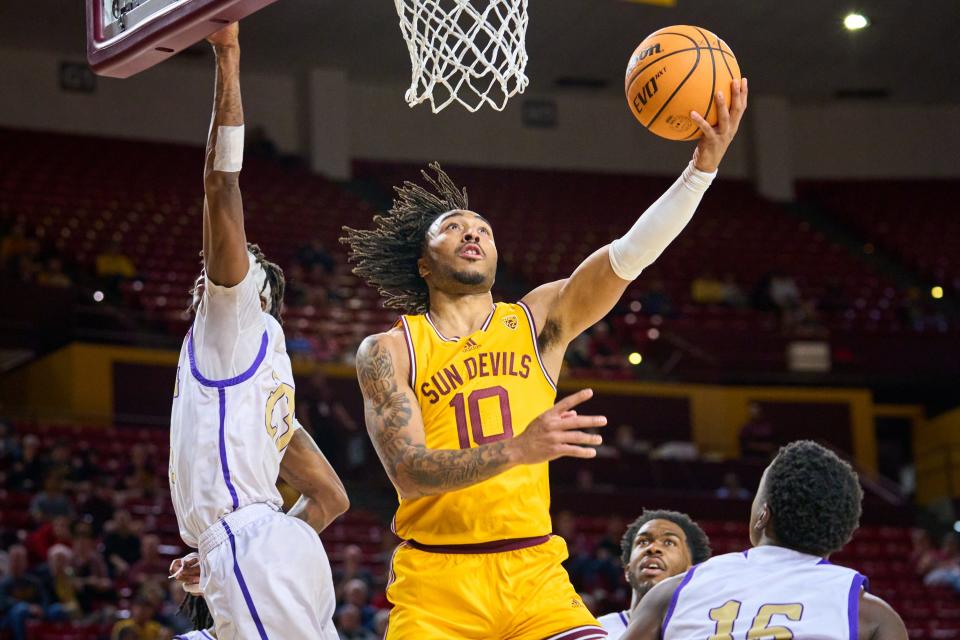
{"points": [[615, 624], [766, 592], [203, 634], [228, 435]]}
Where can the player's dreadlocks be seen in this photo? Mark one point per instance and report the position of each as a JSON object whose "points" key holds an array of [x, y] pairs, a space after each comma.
{"points": [[196, 609], [697, 541], [274, 278], [386, 256], [814, 497]]}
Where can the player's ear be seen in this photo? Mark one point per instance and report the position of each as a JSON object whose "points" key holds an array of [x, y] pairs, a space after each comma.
{"points": [[263, 303], [763, 518], [422, 267]]}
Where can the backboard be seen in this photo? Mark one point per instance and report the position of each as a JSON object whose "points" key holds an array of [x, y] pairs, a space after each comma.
{"points": [[125, 37]]}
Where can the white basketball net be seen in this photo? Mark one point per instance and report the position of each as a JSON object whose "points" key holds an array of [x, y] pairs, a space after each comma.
{"points": [[469, 51]]}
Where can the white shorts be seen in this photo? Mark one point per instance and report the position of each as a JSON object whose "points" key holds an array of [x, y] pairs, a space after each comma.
{"points": [[266, 575]]}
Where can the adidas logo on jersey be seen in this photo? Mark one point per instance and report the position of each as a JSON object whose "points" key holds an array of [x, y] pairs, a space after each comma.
{"points": [[470, 345]]}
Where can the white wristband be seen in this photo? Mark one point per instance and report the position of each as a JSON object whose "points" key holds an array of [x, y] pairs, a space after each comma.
{"points": [[228, 155], [660, 224]]}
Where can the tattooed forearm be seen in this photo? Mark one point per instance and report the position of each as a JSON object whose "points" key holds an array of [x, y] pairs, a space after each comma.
{"points": [[414, 468]]}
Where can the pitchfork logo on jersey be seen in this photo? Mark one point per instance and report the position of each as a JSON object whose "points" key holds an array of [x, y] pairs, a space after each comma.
{"points": [[511, 322]]}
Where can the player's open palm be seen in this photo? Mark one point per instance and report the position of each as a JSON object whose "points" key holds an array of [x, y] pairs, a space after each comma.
{"points": [[558, 432]]}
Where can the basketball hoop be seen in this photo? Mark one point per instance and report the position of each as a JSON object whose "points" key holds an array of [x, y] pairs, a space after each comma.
{"points": [[469, 51]]}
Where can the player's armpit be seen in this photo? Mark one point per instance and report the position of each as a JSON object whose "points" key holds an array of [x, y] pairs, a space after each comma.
{"points": [[878, 620], [395, 426], [646, 621], [306, 469], [572, 305]]}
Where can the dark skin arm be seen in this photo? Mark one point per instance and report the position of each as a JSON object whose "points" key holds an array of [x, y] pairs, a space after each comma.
{"points": [[395, 425], [646, 621], [878, 620], [224, 239], [305, 468]]}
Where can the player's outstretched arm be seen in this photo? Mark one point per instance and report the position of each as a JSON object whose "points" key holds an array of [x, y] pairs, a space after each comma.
{"points": [[570, 306], [224, 239], [878, 620], [396, 428], [306, 469], [646, 621]]}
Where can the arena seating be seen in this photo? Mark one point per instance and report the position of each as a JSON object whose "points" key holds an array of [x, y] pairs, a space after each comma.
{"points": [[880, 551], [81, 195]]}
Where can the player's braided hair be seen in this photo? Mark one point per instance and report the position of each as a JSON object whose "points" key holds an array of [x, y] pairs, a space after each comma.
{"points": [[697, 541], [196, 609], [274, 278], [814, 497], [386, 255]]}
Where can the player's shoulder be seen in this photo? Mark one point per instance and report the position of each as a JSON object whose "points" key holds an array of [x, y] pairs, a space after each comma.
{"points": [[381, 353], [616, 621], [878, 620]]}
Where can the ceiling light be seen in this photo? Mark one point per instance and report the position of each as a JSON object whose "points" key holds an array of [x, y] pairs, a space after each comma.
{"points": [[855, 21]]}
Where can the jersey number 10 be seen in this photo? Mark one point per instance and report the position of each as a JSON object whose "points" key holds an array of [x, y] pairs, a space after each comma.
{"points": [[469, 420]]}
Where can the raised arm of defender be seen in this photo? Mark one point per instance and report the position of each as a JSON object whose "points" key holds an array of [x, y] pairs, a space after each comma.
{"points": [[396, 428], [570, 306], [224, 239]]}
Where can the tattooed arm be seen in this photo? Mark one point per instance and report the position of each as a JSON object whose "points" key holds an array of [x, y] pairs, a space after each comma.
{"points": [[396, 427], [305, 468]]}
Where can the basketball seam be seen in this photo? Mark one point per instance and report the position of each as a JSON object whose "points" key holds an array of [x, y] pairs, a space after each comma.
{"points": [[675, 91], [725, 63], [653, 62], [713, 85], [637, 72]]}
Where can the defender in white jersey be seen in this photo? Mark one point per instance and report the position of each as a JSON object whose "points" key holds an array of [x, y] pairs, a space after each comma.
{"points": [[807, 507], [657, 545], [263, 574]]}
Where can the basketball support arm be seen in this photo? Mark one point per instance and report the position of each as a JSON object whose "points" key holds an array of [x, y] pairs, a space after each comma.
{"points": [[660, 224], [224, 238]]}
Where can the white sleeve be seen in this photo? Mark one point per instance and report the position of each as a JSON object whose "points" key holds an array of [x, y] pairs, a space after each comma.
{"points": [[659, 225], [228, 328]]}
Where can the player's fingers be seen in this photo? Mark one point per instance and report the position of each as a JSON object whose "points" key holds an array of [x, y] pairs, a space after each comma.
{"points": [[744, 92], [573, 451], [583, 422], [573, 400], [582, 437], [568, 414], [705, 127], [723, 113]]}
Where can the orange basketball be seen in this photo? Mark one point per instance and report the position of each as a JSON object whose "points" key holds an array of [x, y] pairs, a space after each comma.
{"points": [[677, 70]]}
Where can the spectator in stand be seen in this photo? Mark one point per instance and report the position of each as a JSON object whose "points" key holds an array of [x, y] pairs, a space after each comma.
{"points": [[707, 289], [113, 268], [150, 563], [98, 506], [89, 569], [56, 531], [52, 502], [757, 436], [141, 621], [58, 574], [314, 254], [349, 625], [140, 480], [121, 544], [352, 569], [731, 489], [357, 593], [380, 622], [52, 275], [605, 349], [30, 468], [946, 564], [14, 246], [9, 442], [655, 301], [733, 294], [331, 424], [627, 443], [924, 556], [23, 596]]}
